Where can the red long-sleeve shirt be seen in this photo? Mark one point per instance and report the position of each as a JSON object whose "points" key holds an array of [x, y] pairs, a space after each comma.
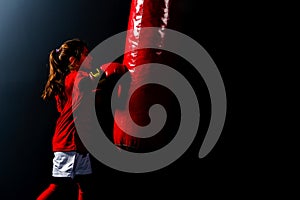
{"points": [[65, 137]]}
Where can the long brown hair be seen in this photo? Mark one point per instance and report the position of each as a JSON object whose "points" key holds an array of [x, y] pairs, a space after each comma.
{"points": [[60, 67]]}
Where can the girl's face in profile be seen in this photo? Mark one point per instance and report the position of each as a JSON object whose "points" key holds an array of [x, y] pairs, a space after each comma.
{"points": [[86, 59]]}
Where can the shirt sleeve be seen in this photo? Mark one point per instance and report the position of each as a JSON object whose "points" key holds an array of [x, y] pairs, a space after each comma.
{"points": [[86, 83], [58, 104]]}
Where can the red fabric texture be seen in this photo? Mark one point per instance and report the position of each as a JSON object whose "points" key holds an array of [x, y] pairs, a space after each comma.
{"points": [[46, 194], [65, 137]]}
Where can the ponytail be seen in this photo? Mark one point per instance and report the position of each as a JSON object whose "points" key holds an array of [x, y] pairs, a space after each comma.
{"points": [[55, 83], [59, 67]]}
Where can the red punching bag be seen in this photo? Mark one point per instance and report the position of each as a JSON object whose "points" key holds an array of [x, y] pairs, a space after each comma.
{"points": [[145, 13]]}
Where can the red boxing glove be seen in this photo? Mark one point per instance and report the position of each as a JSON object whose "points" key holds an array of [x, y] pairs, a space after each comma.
{"points": [[113, 68]]}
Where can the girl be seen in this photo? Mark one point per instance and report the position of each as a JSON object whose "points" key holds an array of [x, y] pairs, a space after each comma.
{"points": [[71, 162]]}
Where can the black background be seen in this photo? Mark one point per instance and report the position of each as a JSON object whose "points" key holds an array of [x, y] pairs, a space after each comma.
{"points": [[30, 29]]}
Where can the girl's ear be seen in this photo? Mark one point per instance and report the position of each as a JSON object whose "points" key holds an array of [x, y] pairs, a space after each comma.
{"points": [[72, 60]]}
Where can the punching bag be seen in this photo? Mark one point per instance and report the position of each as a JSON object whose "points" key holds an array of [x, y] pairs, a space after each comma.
{"points": [[145, 13]]}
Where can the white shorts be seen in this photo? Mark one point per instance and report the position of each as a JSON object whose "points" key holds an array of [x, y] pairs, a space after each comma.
{"points": [[69, 164]]}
